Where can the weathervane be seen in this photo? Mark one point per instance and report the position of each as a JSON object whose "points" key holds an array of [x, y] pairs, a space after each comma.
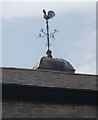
{"points": [[48, 16]]}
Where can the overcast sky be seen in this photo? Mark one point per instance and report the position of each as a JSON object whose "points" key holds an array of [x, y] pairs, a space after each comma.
{"points": [[75, 41]]}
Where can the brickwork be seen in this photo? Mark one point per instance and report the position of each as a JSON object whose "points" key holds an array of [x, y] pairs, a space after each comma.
{"points": [[39, 110]]}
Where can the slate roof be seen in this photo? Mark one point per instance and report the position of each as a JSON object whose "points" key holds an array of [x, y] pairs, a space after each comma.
{"points": [[48, 78]]}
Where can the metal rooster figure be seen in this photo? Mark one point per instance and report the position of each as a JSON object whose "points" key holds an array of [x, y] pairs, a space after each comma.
{"points": [[48, 16]]}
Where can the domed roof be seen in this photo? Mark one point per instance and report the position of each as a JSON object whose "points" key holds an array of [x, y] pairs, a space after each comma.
{"points": [[58, 64]]}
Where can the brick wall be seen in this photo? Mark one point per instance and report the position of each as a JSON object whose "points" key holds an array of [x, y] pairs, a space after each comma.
{"points": [[39, 110]]}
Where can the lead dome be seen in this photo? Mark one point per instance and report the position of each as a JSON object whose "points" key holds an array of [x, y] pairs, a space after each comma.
{"points": [[57, 64]]}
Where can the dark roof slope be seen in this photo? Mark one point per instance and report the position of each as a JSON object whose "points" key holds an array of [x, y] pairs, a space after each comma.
{"points": [[48, 78]]}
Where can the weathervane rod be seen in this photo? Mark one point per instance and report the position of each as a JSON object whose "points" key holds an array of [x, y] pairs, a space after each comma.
{"points": [[48, 34]]}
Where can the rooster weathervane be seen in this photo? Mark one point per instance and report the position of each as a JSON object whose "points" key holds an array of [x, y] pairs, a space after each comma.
{"points": [[48, 16]]}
